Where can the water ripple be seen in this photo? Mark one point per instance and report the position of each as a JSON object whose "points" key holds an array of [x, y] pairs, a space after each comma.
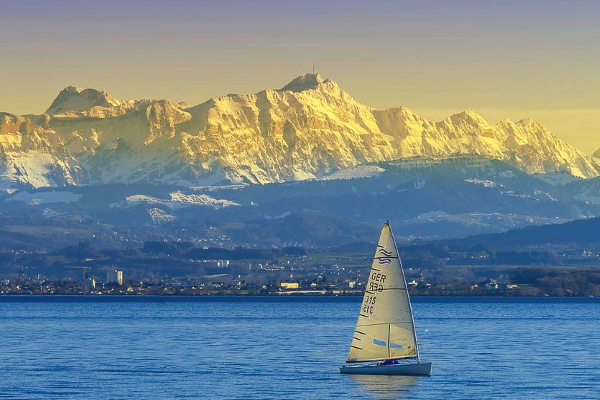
{"points": [[282, 350]]}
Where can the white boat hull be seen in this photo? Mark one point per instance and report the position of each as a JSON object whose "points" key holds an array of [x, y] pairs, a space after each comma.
{"points": [[422, 369]]}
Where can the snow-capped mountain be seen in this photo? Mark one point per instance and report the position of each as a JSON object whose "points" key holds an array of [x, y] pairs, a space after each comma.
{"points": [[307, 129], [31, 155], [73, 99]]}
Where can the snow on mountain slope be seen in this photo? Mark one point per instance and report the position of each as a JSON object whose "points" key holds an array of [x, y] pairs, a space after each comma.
{"points": [[277, 135], [308, 129], [45, 197], [558, 178], [178, 200], [33, 156], [357, 172], [525, 144], [73, 99]]}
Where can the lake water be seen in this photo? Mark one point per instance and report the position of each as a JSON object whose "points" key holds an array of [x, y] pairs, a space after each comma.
{"points": [[273, 348]]}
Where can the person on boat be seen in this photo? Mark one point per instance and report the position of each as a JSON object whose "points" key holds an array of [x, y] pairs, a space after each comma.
{"points": [[390, 362]]}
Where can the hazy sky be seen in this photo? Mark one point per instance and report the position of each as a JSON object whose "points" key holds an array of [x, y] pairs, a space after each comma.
{"points": [[503, 58]]}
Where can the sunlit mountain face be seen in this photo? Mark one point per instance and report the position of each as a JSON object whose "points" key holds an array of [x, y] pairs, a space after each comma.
{"points": [[305, 130]]}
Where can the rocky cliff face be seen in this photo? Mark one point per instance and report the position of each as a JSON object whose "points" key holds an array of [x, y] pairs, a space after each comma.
{"points": [[308, 128], [33, 156]]}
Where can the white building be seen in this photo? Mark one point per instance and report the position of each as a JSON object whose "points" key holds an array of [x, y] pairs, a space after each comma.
{"points": [[114, 275]]}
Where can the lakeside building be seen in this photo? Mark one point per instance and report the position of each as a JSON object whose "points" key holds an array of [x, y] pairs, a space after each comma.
{"points": [[114, 275], [289, 285]]}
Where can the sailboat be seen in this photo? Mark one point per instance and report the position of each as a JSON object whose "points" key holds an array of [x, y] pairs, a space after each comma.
{"points": [[385, 340]]}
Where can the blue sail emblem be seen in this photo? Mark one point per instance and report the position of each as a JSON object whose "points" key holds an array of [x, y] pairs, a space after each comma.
{"points": [[384, 260], [385, 252]]}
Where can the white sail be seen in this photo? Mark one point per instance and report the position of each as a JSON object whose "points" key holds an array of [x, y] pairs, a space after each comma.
{"points": [[385, 327]]}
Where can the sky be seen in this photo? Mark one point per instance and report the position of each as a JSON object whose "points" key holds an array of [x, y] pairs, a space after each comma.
{"points": [[501, 59]]}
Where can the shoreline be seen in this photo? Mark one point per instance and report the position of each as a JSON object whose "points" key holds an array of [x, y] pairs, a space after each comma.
{"points": [[352, 298]]}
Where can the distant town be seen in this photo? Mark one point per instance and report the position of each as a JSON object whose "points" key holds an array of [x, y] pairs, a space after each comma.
{"points": [[335, 281], [180, 268]]}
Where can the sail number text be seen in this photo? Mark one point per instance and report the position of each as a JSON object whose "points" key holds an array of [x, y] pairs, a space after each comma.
{"points": [[376, 283], [368, 304]]}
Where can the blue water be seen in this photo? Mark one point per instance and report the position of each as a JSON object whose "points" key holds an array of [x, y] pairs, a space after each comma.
{"points": [[257, 348]]}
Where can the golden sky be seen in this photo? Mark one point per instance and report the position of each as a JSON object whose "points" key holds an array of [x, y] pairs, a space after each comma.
{"points": [[502, 59]]}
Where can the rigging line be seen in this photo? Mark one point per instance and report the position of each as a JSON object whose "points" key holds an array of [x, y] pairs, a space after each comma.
{"points": [[356, 347]]}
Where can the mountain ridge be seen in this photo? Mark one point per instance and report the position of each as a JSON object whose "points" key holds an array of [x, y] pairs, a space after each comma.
{"points": [[304, 130]]}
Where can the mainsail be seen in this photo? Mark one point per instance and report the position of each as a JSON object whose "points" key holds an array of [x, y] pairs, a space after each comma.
{"points": [[385, 328]]}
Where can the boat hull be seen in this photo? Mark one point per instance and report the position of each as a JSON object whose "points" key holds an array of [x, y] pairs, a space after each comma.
{"points": [[417, 369]]}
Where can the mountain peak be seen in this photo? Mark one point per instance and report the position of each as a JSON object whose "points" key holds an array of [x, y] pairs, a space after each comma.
{"points": [[74, 98], [307, 82], [309, 128], [528, 123], [470, 117]]}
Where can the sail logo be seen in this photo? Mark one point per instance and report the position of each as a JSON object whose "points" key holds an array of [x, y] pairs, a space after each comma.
{"points": [[385, 260], [384, 252]]}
